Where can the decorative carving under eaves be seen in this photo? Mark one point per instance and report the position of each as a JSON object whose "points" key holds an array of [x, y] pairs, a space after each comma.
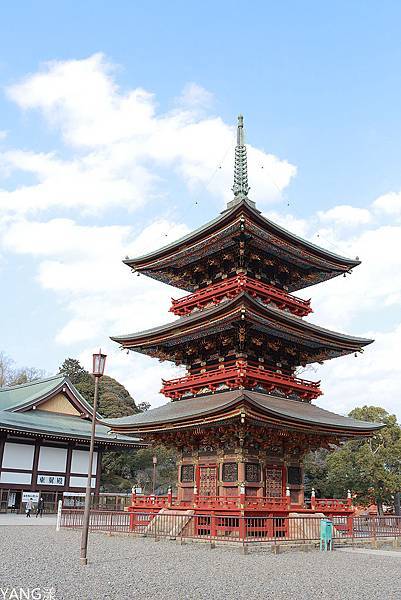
{"points": [[249, 436]]}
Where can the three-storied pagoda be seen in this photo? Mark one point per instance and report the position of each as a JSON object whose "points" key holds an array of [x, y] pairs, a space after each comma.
{"points": [[241, 419]]}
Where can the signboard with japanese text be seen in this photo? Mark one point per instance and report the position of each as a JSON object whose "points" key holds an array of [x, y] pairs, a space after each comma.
{"points": [[34, 496], [50, 480]]}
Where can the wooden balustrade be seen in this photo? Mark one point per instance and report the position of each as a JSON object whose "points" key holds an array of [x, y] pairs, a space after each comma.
{"points": [[235, 503], [229, 288], [241, 374]]}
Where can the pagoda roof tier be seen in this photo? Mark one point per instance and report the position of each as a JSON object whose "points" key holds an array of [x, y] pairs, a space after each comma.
{"points": [[316, 343], [244, 404], [174, 263]]}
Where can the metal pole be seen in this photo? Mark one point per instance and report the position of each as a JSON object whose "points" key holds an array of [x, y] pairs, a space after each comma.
{"points": [[85, 524], [154, 475]]}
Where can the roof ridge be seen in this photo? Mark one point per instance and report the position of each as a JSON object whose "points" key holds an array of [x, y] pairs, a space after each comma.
{"points": [[232, 210], [31, 383]]}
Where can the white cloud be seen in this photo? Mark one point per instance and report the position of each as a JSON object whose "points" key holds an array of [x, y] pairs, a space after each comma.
{"points": [[389, 204], [374, 284], [83, 265], [120, 144], [372, 378], [195, 96], [93, 182], [299, 227], [81, 98], [346, 216]]}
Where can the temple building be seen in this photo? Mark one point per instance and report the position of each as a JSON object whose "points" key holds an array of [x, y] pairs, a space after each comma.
{"points": [[242, 418], [45, 429]]}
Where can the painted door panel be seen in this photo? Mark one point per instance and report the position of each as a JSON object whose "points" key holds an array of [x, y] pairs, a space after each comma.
{"points": [[207, 481]]}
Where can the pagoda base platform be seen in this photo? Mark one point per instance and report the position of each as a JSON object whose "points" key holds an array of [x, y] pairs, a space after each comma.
{"points": [[237, 518], [240, 506]]}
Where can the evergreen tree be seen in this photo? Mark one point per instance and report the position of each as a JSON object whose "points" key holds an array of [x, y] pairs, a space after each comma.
{"points": [[73, 369], [122, 469], [114, 399], [370, 467]]}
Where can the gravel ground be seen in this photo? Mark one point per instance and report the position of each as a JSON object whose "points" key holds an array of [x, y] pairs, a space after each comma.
{"points": [[127, 567], [33, 521]]}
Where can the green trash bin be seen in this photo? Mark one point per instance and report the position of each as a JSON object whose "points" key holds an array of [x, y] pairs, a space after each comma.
{"points": [[326, 534]]}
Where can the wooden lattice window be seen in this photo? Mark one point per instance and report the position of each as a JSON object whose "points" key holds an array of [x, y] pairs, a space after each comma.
{"points": [[274, 482], [207, 481], [294, 475], [230, 472], [187, 473], [252, 472]]}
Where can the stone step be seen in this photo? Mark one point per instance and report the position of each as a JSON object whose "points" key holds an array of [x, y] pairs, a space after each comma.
{"points": [[169, 522]]}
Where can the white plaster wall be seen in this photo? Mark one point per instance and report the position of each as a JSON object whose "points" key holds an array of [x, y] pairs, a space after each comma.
{"points": [[80, 461], [11, 477], [52, 459], [81, 481], [18, 456]]}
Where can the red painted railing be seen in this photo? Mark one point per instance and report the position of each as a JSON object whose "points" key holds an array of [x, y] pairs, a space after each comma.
{"points": [[235, 528], [153, 501], [242, 374], [216, 502], [330, 503], [211, 502], [229, 288]]}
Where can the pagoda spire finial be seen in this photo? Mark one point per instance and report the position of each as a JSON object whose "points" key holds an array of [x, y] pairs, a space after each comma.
{"points": [[240, 187]]}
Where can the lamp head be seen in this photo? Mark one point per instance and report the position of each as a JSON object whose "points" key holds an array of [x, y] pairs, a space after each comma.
{"points": [[99, 361]]}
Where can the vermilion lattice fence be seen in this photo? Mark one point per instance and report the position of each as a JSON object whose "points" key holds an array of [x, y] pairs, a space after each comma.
{"points": [[224, 528]]}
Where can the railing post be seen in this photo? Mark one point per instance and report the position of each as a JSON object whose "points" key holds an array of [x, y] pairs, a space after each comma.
{"points": [[131, 521], [195, 498], [313, 498], [242, 497], [374, 543], [349, 498], [213, 528], [288, 496], [169, 497], [242, 519], [242, 528], [59, 508]]}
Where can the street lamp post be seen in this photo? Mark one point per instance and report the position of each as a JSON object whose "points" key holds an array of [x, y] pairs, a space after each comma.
{"points": [[154, 473], [99, 361]]}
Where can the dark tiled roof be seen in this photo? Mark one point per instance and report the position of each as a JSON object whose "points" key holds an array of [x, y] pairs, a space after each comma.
{"points": [[17, 396], [63, 426], [225, 216], [172, 411], [274, 314], [290, 410], [17, 414]]}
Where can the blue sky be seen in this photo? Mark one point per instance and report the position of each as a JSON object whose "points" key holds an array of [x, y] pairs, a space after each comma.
{"points": [[114, 121]]}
